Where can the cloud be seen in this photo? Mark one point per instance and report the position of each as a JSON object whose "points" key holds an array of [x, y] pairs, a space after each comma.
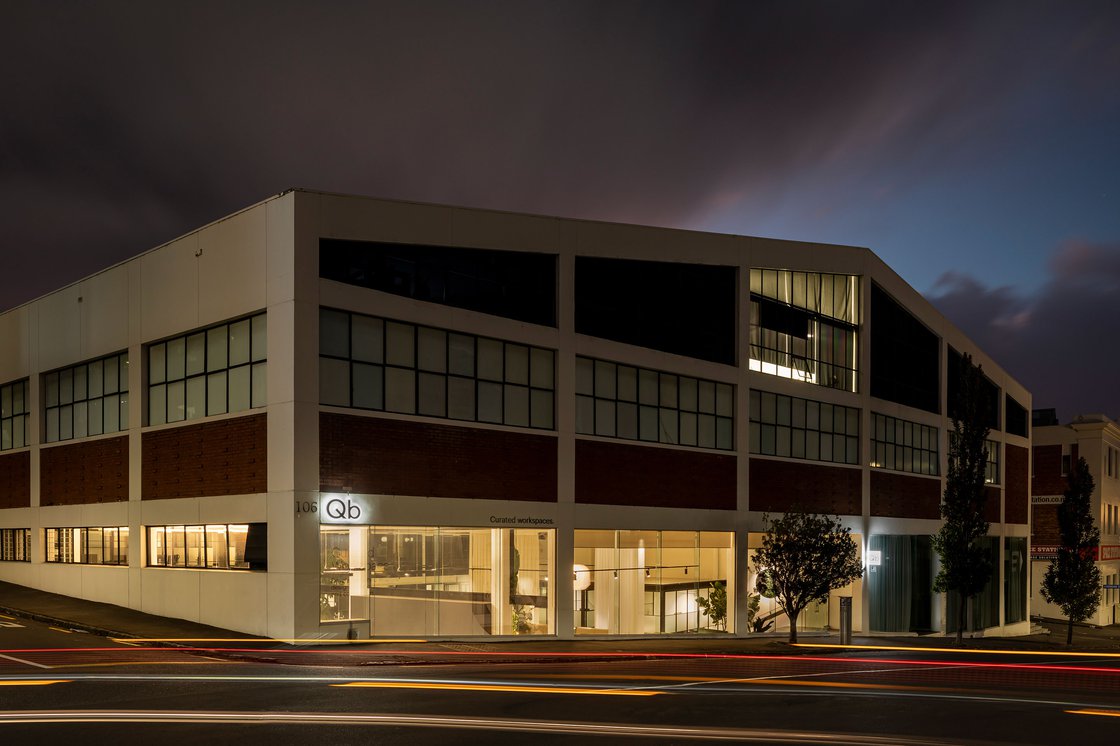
{"points": [[641, 112], [1063, 341]]}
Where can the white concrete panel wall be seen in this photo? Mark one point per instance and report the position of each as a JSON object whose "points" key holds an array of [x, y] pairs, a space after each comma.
{"points": [[15, 348], [105, 584], [58, 338], [232, 276], [172, 592], [104, 313], [169, 289], [234, 600]]}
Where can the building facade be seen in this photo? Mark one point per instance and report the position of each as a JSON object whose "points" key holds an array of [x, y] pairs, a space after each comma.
{"points": [[1095, 438], [333, 416]]}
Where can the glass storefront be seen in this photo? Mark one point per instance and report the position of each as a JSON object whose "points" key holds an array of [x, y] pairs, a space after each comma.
{"points": [[900, 582], [766, 614], [1015, 579], [431, 580], [985, 604], [653, 582]]}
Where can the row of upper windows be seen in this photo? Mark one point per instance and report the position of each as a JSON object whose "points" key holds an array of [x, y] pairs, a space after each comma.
{"points": [[379, 364], [215, 370], [212, 546]]}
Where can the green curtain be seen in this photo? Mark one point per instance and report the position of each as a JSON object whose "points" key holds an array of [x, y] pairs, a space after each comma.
{"points": [[889, 583]]}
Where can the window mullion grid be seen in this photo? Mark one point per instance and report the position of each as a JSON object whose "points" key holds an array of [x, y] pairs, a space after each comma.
{"points": [[502, 398], [415, 368]]}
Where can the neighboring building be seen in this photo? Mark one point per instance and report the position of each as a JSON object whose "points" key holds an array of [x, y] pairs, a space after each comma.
{"points": [[1095, 438], [328, 415]]}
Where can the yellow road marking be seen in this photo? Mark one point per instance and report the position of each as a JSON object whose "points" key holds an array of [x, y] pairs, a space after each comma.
{"points": [[142, 663], [765, 681], [285, 640], [66, 631], [1105, 713], [500, 688], [901, 648], [35, 682]]}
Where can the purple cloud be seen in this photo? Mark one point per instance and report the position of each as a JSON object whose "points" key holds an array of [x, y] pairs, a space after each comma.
{"points": [[1061, 341]]}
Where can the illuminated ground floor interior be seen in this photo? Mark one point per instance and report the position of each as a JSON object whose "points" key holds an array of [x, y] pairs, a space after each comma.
{"points": [[456, 581]]}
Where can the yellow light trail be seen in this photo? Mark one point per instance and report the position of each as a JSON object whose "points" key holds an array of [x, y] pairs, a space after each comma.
{"points": [[500, 688], [34, 682], [285, 640], [906, 649], [207, 662], [1104, 713]]}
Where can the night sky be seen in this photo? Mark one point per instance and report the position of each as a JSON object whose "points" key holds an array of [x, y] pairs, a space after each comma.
{"points": [[974, 146]]}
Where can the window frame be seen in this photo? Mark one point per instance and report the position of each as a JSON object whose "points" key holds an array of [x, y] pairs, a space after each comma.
{"points": [[828, 355], [785, 427], [170, 386], [70, 545], [61, 408], [204, 555], [10, 419], [658, 400], [15, 544], [404, 359], [889, 450]]}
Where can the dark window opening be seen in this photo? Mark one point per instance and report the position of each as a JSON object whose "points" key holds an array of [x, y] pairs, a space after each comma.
{"points": [[512, 284], [256, 546], [905, 363], [684, 309], [782, 318], [990, 392], [1016, 417]]}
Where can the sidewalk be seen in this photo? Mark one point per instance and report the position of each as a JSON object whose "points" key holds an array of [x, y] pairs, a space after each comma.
{"points": [[116, 621]]}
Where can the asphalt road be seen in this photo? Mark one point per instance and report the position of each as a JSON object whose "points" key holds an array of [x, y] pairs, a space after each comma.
{"points": [[104, 691]]}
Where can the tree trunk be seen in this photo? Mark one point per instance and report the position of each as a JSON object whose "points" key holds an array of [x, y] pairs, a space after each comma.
{"points": [[1069, 632], [792, 628], [962, 604]]}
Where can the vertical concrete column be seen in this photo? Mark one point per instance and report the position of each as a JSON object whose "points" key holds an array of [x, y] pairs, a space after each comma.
{"points": [[865, 425], [34, 432], [741, 558], [565, 432], [292, 228], [137, 416]]}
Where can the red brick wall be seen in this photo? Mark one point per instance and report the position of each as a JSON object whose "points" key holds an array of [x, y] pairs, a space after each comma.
{"points": [[15, 480], [991, 503], [1044, 525], [777, 486], [1048, 478], [904, 496], [390, 457], [79, 473], [227, 457], [628, 474], [1017, 499]]}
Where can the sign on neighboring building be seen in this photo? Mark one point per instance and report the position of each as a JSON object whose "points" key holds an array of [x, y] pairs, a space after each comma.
{"points": [[1044, 551]]}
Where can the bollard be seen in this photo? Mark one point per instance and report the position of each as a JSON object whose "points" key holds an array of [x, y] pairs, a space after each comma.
{"points": [[845, 620]]}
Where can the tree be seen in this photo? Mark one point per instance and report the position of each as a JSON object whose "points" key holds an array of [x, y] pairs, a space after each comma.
{"points": [[1073, 580], [966, 564], [803, 557], [715, 605]]}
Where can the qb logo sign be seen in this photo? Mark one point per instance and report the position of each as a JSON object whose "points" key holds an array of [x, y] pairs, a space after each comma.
{"points": [[343, 509]]}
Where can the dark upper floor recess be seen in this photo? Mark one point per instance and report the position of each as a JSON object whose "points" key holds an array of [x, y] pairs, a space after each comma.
{"points": [[516, 285], [684, 309], [905, 358]]}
